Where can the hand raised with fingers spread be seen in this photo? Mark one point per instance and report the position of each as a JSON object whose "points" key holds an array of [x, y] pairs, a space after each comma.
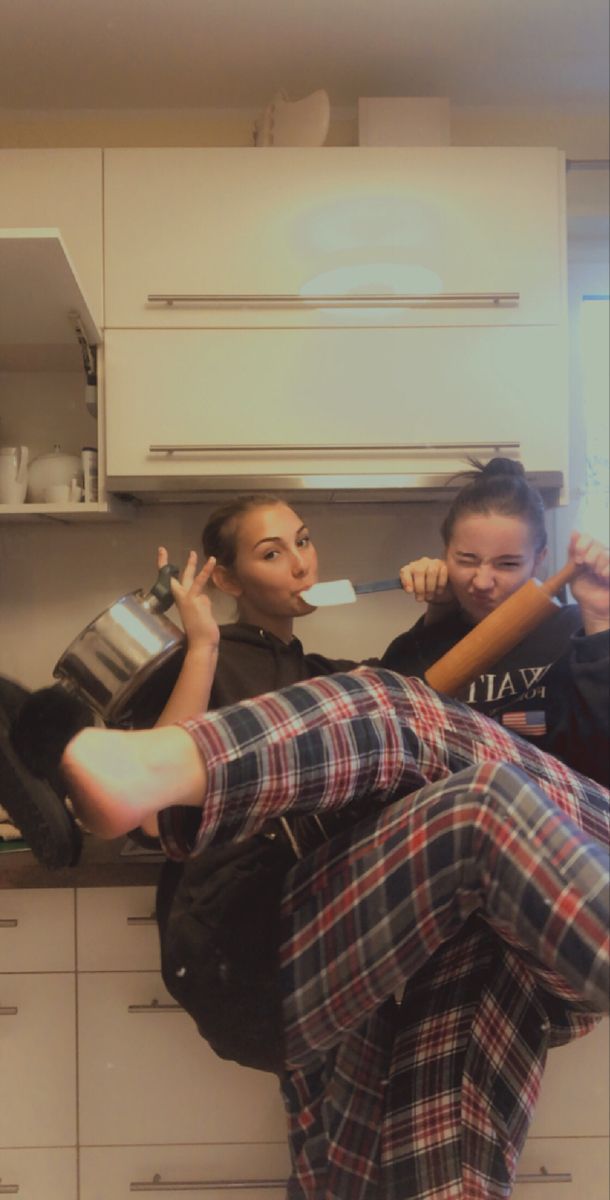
{"points": [[192, 601], [591, 585]]}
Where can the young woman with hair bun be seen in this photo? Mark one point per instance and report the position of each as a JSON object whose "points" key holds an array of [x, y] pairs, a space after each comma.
{"points": [[551, 688]]}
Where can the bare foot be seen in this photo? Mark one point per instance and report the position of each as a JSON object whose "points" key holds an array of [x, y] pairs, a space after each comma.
{"points": [[119, 780]]}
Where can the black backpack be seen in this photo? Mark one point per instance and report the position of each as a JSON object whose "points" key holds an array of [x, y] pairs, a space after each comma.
{"points": [[219, 926]]}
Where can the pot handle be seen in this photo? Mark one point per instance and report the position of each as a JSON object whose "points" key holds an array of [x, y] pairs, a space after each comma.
{"points": [[160, 598]]}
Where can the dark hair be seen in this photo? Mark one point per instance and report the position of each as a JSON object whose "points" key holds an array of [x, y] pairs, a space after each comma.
{"points": [[499, 487], [219, 537]]}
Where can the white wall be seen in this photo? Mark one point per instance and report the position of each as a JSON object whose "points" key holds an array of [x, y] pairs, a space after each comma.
{"points": [[55, 578]]}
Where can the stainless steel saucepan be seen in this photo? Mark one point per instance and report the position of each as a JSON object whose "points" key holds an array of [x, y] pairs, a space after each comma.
{"points": [[125, 662]]}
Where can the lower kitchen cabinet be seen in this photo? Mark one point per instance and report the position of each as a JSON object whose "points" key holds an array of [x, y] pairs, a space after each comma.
{"points": [[155, 1107], [39, 1174], [563, 1169], [118, 1172], [147, 1077], [38, 1060]]}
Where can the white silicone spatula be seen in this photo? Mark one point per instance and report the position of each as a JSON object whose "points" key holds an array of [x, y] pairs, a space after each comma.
{"points": [[341, 591]]}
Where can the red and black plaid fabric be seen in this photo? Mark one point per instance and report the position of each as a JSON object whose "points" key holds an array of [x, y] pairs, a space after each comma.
{"points": [[430, 1101]]}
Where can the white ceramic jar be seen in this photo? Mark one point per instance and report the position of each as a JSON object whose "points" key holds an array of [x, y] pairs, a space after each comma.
{"points": [[50, 471]]}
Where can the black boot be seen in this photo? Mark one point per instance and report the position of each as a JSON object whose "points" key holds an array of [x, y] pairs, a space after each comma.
{"points": [[31, 786], [38, 812]]}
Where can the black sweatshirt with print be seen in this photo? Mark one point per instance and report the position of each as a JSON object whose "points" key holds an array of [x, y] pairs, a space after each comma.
{"points": [[552, 688]]}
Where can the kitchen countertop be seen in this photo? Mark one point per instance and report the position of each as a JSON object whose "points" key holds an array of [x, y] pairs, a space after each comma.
{"points": [[101, 865]]}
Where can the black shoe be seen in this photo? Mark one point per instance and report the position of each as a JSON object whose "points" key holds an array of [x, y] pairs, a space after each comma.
{"points": [[38, 812], [45, 723]]}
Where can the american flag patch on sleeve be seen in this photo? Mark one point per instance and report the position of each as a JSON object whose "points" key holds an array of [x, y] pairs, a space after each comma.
{"points": [[529, 724]]}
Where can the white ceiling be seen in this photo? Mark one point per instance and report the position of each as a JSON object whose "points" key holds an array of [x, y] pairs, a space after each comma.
{"points": [[163, 54]]}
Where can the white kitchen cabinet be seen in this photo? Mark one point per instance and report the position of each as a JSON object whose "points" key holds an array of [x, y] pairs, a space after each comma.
{"points": [[246, 379], [147, 1077], [36, 930], [37, 1019], [37, 1016], [59, 189], [116, 929], [563, 1169], [318, 402], [51, 267], [330, 221], [111, 1172], [39, 1174], [574, 1095]]}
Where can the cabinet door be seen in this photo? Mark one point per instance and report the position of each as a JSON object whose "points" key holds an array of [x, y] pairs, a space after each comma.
{"points": [[563, 1169], [60, 189], [333, 221], [574, 1096], [38, 1060], [37, 929], [223, 394], [106, 1172], [39, 1174], [146, 1077], [116, 929]]}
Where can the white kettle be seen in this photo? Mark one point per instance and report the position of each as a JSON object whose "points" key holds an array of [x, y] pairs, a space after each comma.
{"points": [[13, 474]]}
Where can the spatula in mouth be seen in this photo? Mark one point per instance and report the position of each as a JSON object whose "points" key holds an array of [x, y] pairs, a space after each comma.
{"points": [[341, 591]]}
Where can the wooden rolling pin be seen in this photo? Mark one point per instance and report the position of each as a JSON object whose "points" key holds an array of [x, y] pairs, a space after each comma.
{"points": [[496, 634]]}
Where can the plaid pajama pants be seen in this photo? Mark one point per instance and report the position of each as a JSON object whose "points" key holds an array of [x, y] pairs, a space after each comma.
{"points": [[365, 915], [478, 878]]}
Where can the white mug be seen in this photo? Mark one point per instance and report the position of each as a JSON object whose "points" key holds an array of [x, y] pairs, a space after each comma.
{"points": [[13, 474]]}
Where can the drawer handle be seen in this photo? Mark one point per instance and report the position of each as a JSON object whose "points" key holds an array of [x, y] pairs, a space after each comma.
{"points": [[253, 448], [201, 1185], [9, 1189], [155, 1007], [8, 922], [387, 300], [544, 1176], [9, 1011], [150, 920]]}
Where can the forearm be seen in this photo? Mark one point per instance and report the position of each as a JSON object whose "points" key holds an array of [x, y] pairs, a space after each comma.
{"points": [[191, 692]]}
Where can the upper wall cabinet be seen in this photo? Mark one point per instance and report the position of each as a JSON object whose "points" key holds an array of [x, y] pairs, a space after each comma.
{"points": [[59, 189], [439, 236]]}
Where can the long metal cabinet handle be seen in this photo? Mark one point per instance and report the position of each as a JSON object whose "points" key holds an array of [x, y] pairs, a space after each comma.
{"points": [[380, 300], [154, 1007], [150, 920], [10, 1010], [8, 922], [253, 448], [544, 1176], [201, 1185]]}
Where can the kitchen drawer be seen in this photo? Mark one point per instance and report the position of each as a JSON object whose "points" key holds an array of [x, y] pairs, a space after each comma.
{"points": [[116, 929], [108, 1173], [586, 1160], [332, 221], [38, 1060], [147, 1077], [37, 929], [40, 1174], [574, 1095], [318, 401]]}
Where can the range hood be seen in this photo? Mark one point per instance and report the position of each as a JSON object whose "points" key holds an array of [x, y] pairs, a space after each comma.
{"points": [[427, 486]]}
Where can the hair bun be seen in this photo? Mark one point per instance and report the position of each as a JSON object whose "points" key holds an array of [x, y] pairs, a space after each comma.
{"points": [[503, 466]]}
